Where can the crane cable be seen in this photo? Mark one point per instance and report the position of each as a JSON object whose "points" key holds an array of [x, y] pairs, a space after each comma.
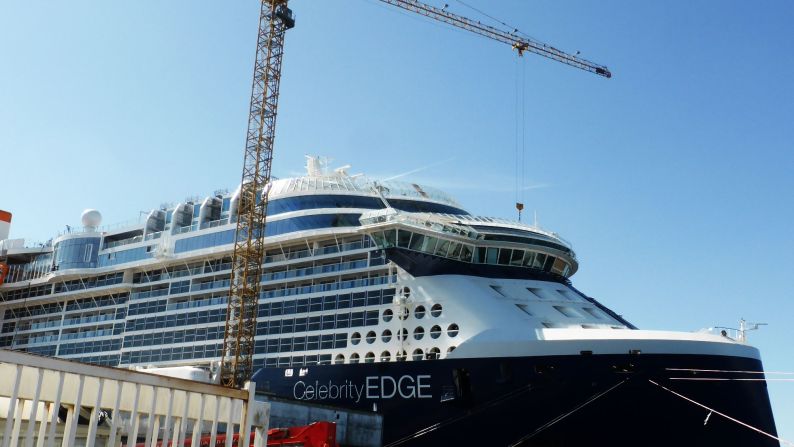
{"points": [[783, 441], [520, 134]]}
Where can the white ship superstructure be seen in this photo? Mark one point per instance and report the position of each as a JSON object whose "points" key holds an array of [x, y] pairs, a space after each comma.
{"points": [[449, 308]]}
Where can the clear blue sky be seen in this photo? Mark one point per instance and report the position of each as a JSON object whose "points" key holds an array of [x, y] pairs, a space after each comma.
{"points": [[673, 180]]}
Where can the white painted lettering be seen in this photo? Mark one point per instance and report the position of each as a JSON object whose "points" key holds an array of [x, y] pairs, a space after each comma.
{"points": [[423, 382], [372, 387], [383, 380], [409, 387]]}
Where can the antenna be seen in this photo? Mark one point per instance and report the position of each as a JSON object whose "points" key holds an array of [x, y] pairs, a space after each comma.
{"points": [[745, 327]]}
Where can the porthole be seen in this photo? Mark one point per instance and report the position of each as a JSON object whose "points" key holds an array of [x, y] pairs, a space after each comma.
{"points": [[385, 356], [403, 313], [340, 358], [386, 336], [355, 338], [435, 331], [450, 349], [406, 292], [369, 358], [371, 337], [436, 310], [419, 312], [388, 314], [434, 353], [400, 356], [419, 333], [402, 334], [417, 355], [452, 330], [354, 358]]}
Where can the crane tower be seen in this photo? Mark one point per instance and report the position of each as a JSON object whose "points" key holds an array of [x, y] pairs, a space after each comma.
{"points": [[275, 18]]}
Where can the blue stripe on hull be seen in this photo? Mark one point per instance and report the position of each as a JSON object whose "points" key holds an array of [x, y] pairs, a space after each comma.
{"points": [[502, 401]]}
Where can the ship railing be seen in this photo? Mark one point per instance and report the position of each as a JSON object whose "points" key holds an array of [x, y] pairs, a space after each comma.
{"points": [[152, 236], [148, 294], [186, 229], [18, 273], [328, 287], [196, 303], [43, 400], [91, 319], [221, 283], [216, 223], [348, 246], [328, 268], [119, 243]]}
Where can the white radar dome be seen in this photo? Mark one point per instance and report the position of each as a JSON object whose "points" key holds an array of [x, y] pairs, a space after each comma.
{"points": [[91, 218]]}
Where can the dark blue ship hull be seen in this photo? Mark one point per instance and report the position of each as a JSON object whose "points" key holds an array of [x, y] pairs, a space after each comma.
{"points": [[586, 400]]}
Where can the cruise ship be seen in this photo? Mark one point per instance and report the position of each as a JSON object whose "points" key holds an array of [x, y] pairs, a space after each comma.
{"points": [[387, 297]]}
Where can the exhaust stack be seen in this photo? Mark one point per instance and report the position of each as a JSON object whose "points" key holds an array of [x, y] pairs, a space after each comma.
{"points": [[5, 224]]}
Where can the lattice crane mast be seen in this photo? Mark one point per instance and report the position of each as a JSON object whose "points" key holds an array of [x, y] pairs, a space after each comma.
{"points": [[519, 43], [275, 18]]}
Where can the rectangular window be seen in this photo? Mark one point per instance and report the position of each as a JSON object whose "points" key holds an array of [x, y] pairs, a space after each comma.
{"points": [[416, 241], [536, 293], [89, 250], [524, 308], [517, 257], [504, 256], [491, 255], [558, 266], [593, 312], [499, 290], [568, 311], [403, 238]]}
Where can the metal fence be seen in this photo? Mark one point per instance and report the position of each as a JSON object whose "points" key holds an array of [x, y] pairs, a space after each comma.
{"points": [[44, 401]]}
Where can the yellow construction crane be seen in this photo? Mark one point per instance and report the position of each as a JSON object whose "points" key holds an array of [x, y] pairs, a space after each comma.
{"points": [[519, 43], [275, 19]]}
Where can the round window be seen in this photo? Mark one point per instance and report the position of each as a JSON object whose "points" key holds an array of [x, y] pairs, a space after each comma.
{"points": [[355, 338], [354, 358], [419, 332], [403, 334], [435, 331], [369, 358], [386, 336], [452, 330], [434, 353], [418, 354], [340, 358], [436, 310], [419, 312], [400, 356], [385, 356], [388, 314], [371, 336]]}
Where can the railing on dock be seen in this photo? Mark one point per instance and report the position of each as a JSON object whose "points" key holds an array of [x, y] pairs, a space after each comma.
{"points": [[45, 400]]}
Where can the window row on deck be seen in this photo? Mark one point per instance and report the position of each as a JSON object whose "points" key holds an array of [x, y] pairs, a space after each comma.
{"points": [[463, 252]]}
